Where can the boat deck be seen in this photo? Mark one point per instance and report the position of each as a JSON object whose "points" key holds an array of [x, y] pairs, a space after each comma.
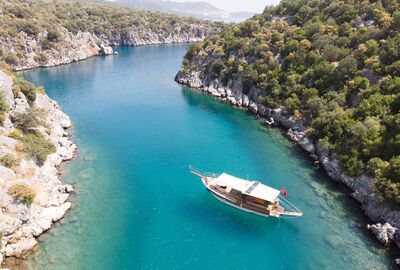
{"points": [[272, 210]]}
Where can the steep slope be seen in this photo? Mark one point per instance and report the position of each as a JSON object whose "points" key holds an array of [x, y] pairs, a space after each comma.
{"points": [[33, 143], [196, 9], [47, 33], [328, 71]]}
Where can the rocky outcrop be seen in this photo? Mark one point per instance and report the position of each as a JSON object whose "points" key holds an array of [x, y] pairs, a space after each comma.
{"points": [[70, 47], [384, 233], [21, 224], [362, 186]]}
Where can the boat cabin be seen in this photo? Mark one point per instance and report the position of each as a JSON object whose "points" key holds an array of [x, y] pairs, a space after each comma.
{"points": [[248, 191]]}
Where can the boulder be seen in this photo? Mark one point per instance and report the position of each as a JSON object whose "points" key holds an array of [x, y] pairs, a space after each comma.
{"points": [[106, 50], [253, 107], [6, 173], [245, 101], [221, 91], [213, 91], [384, 233], [232, 100], [21, 105], [8, 224], [332, 168], [262, 110], [19, 245], [296, 136], [307, 145]]}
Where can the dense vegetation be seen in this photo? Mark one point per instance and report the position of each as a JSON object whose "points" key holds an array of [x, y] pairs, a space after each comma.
{"points": [[43, 19], [333, 64]]}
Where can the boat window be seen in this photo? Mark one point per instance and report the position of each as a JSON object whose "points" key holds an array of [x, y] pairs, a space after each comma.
{"points": [[235, 192]]}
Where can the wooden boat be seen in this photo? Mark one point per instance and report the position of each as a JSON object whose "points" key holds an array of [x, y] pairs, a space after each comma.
{"points": [[249, 196]]}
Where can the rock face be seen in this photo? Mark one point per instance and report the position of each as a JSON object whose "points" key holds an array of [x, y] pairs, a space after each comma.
{"points": [[362, 186], [106, 50], [75, 47], [20, 224]]}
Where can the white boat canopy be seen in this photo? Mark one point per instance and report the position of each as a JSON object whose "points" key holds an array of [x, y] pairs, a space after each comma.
{"points": [[251, 188]]}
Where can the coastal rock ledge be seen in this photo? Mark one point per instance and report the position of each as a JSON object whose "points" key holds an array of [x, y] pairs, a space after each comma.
{"points": [[362, 186], [21, 223]]}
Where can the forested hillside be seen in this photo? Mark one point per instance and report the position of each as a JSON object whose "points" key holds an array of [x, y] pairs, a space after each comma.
{"points": [[334, 65], [41, 33]]}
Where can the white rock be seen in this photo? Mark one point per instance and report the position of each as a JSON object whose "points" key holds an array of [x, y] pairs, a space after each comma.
{"points": [[6, 173], [232, 100], [253, 107], [307, 145], [245, 101], [106, 50], [6, 83], [19, 246], [8, 224], [384, 233]]}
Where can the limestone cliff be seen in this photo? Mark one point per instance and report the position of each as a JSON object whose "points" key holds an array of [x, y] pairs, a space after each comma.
{"points": [[75, 47], [21, 223]]}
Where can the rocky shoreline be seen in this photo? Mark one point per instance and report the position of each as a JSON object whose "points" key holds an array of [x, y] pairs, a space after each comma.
{"points": [[76, 47], [20, 224], [387, 219]]}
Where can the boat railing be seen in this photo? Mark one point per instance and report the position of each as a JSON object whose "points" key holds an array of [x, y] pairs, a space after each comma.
{"points": [[290, 209], [201, 173]]}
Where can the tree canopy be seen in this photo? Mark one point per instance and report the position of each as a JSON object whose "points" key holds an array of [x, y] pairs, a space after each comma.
{"points": [[335, 64]]}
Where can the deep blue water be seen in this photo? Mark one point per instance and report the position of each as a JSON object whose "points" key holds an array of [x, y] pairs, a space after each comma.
{"points": [[138, 207]]}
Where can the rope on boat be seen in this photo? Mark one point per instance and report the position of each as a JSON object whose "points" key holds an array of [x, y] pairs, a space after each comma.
{"points": [[201, 173], [288, 204]]}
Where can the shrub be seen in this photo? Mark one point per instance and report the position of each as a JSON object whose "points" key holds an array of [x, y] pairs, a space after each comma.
{"points": [[9, 161], [37, 147], [16, 90], [23, 193], [11, 59], [42, 57], [46, 44], [28, 27], [3, 104], [40, 90], [27, 88], [29, 121], [15, 134], [3, 117], [388, 190], [53, 35]]}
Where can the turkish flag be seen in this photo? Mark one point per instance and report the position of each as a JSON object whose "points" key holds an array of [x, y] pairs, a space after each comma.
{"points": [[284, 192]]}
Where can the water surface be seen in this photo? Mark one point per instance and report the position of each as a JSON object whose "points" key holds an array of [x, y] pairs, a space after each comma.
{"points": [[138, 207]]}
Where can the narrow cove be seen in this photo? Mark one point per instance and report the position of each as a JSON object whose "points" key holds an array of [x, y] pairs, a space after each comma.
{"points": [[138, 207]]}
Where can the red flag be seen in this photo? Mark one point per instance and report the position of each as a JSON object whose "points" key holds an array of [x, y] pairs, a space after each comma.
{"points": [[284, 192]]}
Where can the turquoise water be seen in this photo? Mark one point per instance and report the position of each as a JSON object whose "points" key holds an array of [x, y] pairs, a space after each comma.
{"points": [[138, 207]]}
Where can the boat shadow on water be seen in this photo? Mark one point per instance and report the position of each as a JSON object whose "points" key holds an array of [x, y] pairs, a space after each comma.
{"points": [[209, 212]]}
